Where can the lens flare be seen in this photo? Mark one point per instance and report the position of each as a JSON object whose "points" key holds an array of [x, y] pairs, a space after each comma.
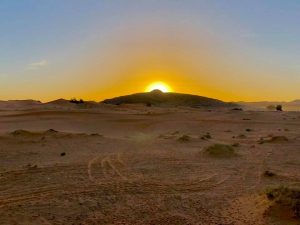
{"points": [[158, 86]]}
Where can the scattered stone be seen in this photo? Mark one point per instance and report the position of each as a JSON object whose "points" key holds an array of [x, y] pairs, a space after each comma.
{"points": [[241, 136], [268, 173], [236, 145], [30, 167], [96, 135], [206, 136], [237, 109]]}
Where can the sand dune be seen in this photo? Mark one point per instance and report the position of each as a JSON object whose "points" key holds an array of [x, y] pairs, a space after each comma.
{"points": [[133, 164]]}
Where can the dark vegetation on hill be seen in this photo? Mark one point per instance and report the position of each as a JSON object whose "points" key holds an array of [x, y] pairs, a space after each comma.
{"points": [[78, 103], [75, 101], [158, 98]]}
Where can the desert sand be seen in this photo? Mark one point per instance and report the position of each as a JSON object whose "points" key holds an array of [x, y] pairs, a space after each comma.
{"points": [[133, 164]]}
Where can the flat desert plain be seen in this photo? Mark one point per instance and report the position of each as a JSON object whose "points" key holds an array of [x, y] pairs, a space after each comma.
{"points": [[145, 165]]}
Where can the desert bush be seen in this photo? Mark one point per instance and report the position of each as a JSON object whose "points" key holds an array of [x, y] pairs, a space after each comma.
{"points": [[75, 101], [279, 107], [220, 150], [286, 197], [184, 138]]}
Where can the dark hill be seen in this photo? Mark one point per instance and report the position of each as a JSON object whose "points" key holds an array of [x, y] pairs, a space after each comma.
{"points": [[159, 98]]}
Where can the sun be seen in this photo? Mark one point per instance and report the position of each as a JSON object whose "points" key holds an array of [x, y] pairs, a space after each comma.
{"points": [[158, 86]]}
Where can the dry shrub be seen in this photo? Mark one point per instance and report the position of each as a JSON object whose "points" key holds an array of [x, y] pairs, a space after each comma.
{"points": [[220, 150], [268, 173], [184, 138], [287, 198]]}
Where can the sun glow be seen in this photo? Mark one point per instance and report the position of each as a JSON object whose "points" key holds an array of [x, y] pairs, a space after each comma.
{"points": [[158, 86]]}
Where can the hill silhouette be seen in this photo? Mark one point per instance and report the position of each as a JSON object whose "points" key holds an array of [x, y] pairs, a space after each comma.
{"points": [[159, 98]]}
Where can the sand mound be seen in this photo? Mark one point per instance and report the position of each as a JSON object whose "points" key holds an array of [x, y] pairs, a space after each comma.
{"points": [[21, 133], [172, 219], [50, 132], [274, 139]]}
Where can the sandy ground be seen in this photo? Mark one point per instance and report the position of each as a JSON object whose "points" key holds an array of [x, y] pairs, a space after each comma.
{"points": [[125, 165]]}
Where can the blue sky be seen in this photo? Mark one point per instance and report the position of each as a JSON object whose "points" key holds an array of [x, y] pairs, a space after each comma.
{"points": [[46, 43]]}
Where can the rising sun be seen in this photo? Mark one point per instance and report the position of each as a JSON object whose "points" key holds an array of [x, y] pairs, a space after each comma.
{"points": [[158, 86]]}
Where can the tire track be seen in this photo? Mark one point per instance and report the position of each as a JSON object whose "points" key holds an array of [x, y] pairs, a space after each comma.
{"points": [[115, 172]]}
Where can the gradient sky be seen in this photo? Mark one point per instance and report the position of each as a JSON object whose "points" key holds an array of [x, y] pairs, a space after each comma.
{"points": [[94, 49]]}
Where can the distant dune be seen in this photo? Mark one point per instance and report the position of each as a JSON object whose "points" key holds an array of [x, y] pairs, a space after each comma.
{"points": [[16, 104], [60, 101], [56, 104], [159, 98], [67, 103], [154, 98]]}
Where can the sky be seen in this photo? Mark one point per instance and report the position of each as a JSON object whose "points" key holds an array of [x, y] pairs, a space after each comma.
{"points": [[231, 50]]}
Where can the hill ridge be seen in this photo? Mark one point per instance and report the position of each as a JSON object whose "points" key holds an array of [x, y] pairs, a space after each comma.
{"points": [[157, 97]]}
